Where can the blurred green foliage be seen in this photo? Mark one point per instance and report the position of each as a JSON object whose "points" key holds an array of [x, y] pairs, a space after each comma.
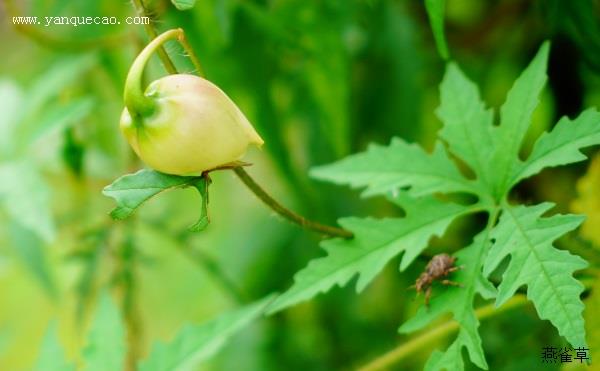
{"points": [[319, 80]]}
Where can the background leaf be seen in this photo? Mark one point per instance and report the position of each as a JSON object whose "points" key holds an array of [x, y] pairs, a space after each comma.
{"points": [[105, 349], [435, 11], [52, 355], [26, 198], [184, 4], [195, 343]]}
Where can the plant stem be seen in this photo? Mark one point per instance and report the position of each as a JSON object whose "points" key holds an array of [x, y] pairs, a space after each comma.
{"points": [[136, 102], [286, 213], [424, 340], [162, 54]]}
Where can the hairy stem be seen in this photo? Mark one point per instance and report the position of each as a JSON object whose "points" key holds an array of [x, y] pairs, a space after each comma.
{"points": [[162, 54], [286, 213], [425, 340]]}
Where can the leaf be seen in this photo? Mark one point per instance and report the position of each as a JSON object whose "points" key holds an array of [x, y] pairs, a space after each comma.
{"points": [[25, 196], [196, 343], [562, 145], [515, 118], [105, 349], [59, 117], [57, 76], [201, 185], [435, 12], [399, 165], [30, 250], [375, 242], [52, 355], [11, 97], [184, 4], [459, 301], [131, 190], [467, 123], [588, 202], [527, 238]]}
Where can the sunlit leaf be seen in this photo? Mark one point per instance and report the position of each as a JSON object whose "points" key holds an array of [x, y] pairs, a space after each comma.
{"points": [[459, 301], [562, 145], [375, 242], [527, 237], [383, 169]]}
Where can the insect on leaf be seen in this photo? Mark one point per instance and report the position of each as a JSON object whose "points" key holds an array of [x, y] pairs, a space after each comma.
{"points": [[375, 242], [459, 301]]}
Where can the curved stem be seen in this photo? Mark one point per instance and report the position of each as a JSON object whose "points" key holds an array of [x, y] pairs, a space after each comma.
{"points": [[136, 102], [162, 54], [286, 213], [424, 340]]}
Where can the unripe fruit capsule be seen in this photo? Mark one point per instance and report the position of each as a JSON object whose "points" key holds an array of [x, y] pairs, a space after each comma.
{"points": [[182, 124]]}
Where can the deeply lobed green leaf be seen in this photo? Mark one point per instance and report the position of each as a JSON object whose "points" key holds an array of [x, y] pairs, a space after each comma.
{"points": [[459, 302], [383, 169], [527, 237], [375, 242]]}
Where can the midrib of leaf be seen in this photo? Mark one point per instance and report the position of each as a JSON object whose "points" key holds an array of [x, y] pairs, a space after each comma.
{"points": [[531, 247], [465, 185]]}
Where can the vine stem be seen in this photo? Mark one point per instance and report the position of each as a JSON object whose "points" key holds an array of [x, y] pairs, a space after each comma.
{"points": [[424, 340], [286, 213]]}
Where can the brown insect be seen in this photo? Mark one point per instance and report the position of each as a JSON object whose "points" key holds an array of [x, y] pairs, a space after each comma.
{"points": [[439, 266]]}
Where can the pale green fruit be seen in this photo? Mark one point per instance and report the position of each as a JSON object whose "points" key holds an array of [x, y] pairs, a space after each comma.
{"points": [[192, 127]]}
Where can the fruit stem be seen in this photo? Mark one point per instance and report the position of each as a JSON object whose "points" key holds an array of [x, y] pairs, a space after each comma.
{"points": [[137, 103], [286, 213]]}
